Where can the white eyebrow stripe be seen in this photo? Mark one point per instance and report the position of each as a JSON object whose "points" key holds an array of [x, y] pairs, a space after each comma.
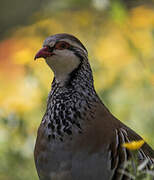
{"points": [[73, 44], [49, 43]]}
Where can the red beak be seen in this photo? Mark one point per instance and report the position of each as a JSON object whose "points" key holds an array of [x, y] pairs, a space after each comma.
{"points": [[43, 53]]}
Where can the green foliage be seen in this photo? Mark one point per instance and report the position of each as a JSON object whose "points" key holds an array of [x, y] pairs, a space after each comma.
{"points": [[136, 170]]}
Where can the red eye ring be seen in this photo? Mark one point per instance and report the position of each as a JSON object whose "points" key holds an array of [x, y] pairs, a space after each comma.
{"points": [[62, 45]]}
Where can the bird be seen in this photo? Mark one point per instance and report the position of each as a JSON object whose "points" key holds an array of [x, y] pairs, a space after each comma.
{"points": [[78, 137]]}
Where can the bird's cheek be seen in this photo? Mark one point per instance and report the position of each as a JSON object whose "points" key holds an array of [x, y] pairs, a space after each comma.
{"points": [[51, 58], [52, 61]]}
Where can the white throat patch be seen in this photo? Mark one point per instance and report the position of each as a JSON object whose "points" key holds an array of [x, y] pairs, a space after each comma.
{"points": [[62, 64]]}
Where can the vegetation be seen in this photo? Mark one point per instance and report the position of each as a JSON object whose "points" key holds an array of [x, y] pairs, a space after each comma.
{"points": [[137, 170]]}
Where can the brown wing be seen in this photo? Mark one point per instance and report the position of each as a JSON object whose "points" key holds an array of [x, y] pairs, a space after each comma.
{"points": [[115, 133]]}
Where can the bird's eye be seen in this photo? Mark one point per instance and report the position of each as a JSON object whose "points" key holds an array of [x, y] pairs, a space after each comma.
{"points": [[62, 45]]}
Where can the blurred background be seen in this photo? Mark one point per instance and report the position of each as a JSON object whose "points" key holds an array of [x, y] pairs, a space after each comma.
{"points": [[119, 35]]}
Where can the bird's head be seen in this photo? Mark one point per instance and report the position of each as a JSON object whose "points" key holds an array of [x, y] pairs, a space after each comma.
{"points": [[63, 53]]}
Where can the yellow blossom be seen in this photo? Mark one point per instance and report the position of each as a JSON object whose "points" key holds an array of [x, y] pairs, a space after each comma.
{"points": [[134, 145]]}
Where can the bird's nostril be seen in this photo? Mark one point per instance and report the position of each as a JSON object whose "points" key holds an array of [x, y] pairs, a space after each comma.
{"points": [[50, 49], [43, 53]]}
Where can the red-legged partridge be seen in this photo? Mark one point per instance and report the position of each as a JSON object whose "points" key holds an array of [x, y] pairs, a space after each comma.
{"points": [[78, 138]]}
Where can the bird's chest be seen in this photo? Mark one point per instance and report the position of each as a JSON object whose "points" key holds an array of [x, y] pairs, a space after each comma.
{"points": [[66, 145], [60, 163], [71, 159], [53, 152], [53, 159]]}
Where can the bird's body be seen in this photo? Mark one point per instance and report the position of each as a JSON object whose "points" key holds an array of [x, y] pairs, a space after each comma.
{"points": [[78, 138]]}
